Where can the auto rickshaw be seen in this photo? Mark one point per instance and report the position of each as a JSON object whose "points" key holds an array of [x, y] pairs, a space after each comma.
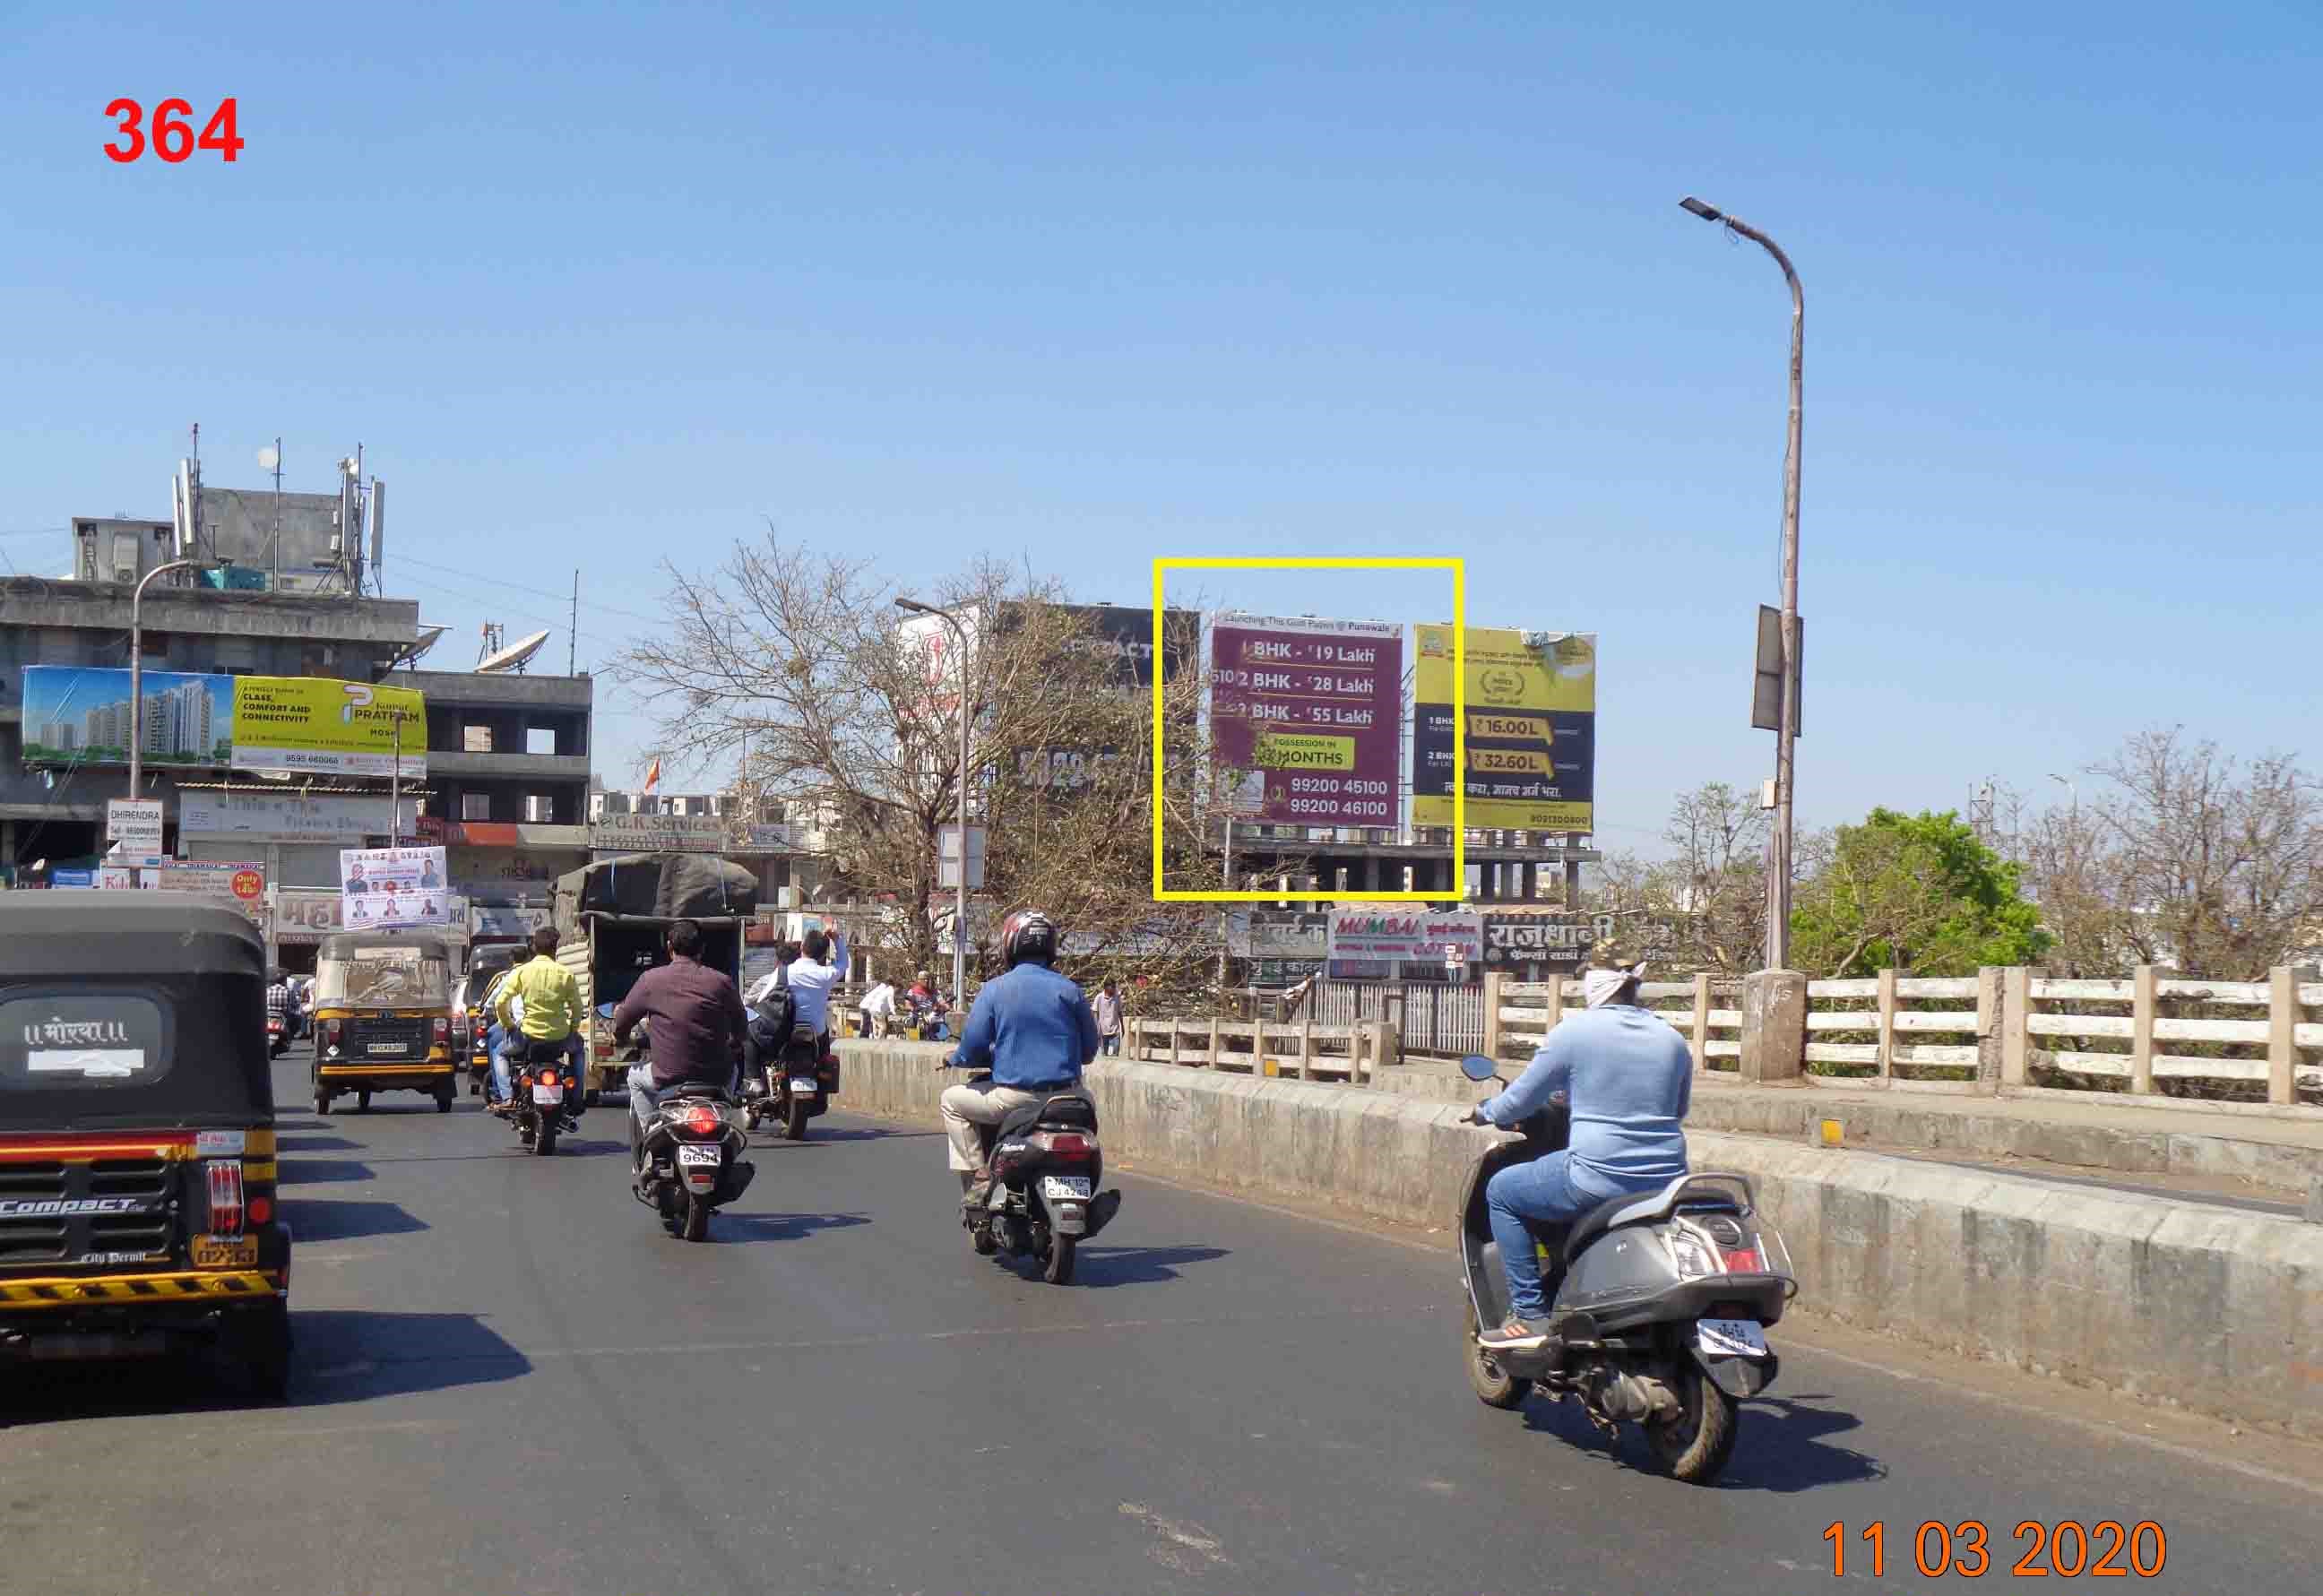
{"points": [[384, 1018], [137, 1163], [486, 964]]}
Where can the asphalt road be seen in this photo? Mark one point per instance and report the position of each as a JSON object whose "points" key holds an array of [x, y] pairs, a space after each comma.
{"points": [[511, 1380]]}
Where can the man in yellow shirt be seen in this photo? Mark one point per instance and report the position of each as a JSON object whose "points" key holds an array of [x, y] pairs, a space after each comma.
{"points": [[538, 1006]]}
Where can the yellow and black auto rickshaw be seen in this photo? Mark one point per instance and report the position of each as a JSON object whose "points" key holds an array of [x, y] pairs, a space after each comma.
{"points": [[384, 1018], [137, 1165]]}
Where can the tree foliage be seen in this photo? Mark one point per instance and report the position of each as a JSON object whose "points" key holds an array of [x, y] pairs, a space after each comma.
{"points": [[1918, 893], [794, 662]]}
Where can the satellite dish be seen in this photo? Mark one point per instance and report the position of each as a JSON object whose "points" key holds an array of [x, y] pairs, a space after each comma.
{"points": [[424, 642], [269, 458], [513, 656]]}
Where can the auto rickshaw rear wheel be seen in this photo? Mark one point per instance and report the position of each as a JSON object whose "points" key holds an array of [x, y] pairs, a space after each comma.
{"points": [[444, 1095], [363, 1100], [322, 1100]]}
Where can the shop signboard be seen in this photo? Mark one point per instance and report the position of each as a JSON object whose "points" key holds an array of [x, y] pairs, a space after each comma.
{"points": [[1314, 709], [349, 819], [1369, 941], [657, 833]]}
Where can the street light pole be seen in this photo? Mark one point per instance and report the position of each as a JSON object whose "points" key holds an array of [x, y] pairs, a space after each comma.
{"points": [[137, 670], [960, 912], [1779, 855]]}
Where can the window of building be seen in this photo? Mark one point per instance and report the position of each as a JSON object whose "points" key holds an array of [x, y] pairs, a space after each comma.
{"points": [[153, 645], [475, 806], [540, 740], [475, 739], [539, 809]]}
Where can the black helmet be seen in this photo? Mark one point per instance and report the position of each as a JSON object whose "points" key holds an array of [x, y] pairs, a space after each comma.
{"points": [[1028, 934]]}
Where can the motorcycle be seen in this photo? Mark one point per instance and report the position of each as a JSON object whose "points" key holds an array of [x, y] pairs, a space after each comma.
{"points": [[800, 1083], [536, 1098], [687, 1161], [1659, 1303], [1042, 1201], [278, 1036]]}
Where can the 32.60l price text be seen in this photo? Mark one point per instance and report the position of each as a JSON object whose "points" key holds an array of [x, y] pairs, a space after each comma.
{"points": [[172, 135]]}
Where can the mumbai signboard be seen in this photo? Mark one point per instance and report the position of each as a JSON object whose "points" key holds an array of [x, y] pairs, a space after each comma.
{"points": [[324, 726], [1532, 730], [1314, 709], [1367, 941]]}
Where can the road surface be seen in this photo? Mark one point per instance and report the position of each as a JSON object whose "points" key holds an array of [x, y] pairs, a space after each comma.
{"points": [[511, 1380]]}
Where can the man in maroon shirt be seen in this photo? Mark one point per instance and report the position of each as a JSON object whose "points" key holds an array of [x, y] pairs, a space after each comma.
{"points": [[698, 1023]]}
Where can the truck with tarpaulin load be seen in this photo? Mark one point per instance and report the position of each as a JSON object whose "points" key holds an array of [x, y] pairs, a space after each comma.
{"points": [[613, 920]]}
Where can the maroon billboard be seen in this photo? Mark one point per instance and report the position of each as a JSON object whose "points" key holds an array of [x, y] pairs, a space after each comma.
{"points": [[1314, 709]]}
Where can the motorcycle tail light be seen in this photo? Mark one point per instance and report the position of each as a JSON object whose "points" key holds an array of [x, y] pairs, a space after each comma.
{"points": [[1067, 1145], [225, 1178], [1744, 1261], [548, 1078], [703, 1120]]}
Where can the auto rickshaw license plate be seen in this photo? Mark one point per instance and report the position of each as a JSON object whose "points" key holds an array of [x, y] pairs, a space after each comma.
{"points": [[224, 1251]]}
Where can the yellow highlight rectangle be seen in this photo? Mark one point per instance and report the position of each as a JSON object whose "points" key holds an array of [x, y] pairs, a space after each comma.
{"points": [[1452, 562]]}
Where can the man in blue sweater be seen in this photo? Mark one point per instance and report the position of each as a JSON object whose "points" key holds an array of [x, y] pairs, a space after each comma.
{"points": [[1032, 1027], [1628, 1079]]}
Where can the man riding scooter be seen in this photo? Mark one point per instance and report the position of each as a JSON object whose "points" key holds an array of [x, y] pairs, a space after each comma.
{"points": [[1034, 1028], [1628, 1080]]}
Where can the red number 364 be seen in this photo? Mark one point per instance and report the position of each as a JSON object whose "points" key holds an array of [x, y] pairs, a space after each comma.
{"points": [[174, 138]]}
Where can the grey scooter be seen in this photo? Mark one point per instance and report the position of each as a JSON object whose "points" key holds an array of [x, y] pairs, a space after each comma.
{"points": [[1658, 1302]]}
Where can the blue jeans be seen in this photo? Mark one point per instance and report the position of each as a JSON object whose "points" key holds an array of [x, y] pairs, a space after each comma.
{"points": [[1541, 1191], [1110, 1045], [644, 1097]]}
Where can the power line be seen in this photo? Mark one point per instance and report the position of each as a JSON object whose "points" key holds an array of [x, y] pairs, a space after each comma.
{"points": [[537, 592]]}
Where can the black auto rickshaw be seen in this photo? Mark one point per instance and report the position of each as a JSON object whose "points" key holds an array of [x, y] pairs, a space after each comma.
{"points": [[384, 1018], [137, 1167], [486, 965]]}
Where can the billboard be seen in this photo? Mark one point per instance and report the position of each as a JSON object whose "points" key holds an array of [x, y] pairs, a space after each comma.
{"points": [[81, 715], [390, 888], [328, 727], [1532, 730], [1314, 709]]}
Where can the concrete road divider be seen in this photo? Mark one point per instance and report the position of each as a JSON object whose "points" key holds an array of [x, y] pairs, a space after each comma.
{"points": [[2215, 1310]]}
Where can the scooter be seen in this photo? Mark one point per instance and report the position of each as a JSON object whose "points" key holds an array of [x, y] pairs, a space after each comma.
{"points": [[1659, 1302], [1041, 1200], [686, 1160]]}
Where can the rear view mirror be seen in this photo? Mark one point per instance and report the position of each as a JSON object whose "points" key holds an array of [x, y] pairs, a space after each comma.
{"points": [[1476, 1066]]}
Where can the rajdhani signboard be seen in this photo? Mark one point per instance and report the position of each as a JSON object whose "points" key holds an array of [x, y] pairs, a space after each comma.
{"points": [[320, 725], [1532, 730]]}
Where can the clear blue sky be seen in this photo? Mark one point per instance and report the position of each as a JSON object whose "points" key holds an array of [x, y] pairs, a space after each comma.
{"points": [[593, 285]]}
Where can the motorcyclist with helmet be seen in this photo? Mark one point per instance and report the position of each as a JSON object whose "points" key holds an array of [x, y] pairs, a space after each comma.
{"points": [[1033, 1028]]}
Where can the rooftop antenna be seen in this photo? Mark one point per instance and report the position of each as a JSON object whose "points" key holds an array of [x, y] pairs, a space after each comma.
{"points": [[493, 641], [271, 459]]}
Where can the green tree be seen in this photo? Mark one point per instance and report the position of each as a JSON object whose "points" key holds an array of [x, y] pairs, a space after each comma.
{"points": [[1919, 892]]}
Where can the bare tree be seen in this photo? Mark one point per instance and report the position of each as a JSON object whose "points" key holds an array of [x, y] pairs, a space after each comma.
{"points": [[794, 662], [2218, 863]]}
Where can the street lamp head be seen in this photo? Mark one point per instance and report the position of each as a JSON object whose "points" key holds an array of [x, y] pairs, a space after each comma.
{"points": [[1708, 213], [913, 605]]}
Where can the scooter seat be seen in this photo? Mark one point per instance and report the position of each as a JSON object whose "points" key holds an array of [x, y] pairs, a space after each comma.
{"points": [[1638, 1207], [1594, 1224]]}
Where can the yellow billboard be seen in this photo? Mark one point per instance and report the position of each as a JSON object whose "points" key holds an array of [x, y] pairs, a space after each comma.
{"points": [[1531, 711], [328, 727]]}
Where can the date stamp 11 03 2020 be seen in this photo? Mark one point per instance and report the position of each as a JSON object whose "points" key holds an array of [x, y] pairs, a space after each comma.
{"points": [[2065, 1550]]}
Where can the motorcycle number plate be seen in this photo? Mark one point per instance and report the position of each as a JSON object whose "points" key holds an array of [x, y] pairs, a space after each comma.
{"points": [[1731, 1338], [698, 1155], [1064, 1185], [549, 1094], [804, 1083]]}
